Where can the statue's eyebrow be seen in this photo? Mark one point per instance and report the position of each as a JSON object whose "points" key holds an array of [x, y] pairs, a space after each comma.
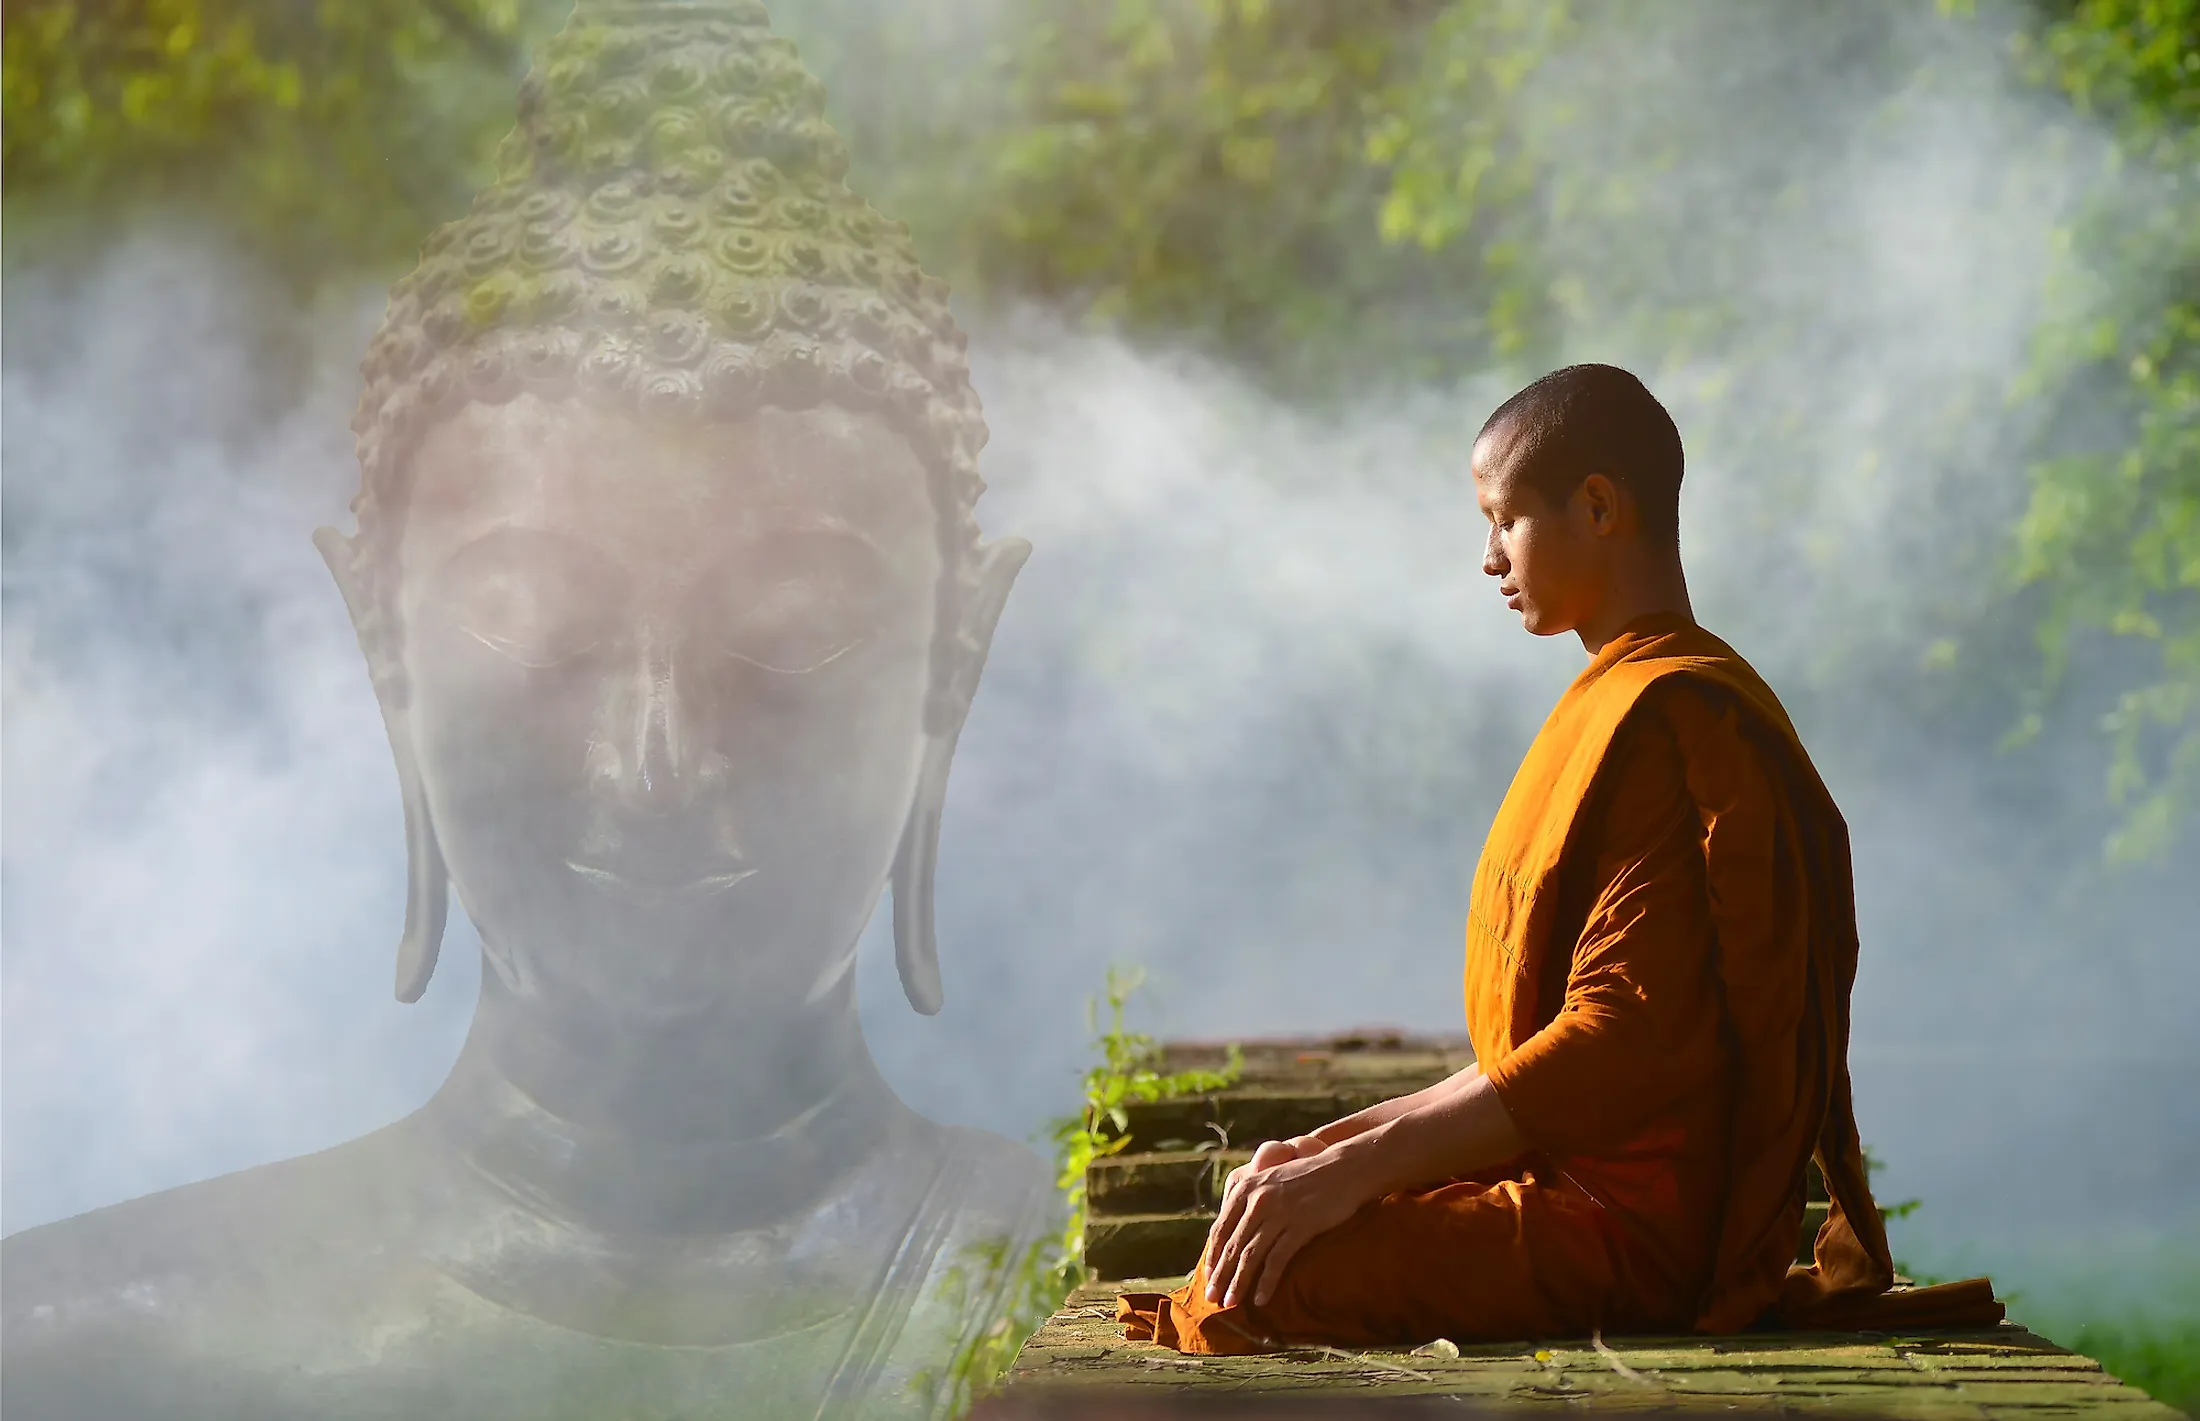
{"points": [[810, 520], [504, 525]]}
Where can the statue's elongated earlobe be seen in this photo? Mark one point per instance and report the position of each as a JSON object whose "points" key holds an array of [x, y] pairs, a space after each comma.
{"points": [[427, 878], [916, 942], [427, 892]]}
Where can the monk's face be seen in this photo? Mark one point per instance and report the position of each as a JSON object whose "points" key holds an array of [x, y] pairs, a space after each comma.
{"points": [[667, 686], [1552, 561]]}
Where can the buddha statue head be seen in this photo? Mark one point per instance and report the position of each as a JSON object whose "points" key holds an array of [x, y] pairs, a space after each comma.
{"points": [[672, 596], [667, 572]]}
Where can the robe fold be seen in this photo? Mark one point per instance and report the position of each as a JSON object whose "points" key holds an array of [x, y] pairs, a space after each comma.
{"points": [[1661, 943]]}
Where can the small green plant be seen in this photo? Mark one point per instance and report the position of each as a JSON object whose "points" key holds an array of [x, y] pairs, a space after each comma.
{"points": [[1031, 1292], [1123, 1076], [1042, 1278]]}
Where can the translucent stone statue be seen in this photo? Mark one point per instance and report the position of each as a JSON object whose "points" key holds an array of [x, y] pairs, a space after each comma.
{"points": [[670, 588]]}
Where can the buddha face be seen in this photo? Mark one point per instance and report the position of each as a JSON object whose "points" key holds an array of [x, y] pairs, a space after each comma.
{"points": [[667, 690]]}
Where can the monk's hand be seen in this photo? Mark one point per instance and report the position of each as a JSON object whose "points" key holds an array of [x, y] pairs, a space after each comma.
{"points": [[1274, 1152], [1271, 1209]]}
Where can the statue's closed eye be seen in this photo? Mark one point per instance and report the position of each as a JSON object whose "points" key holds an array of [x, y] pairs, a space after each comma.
{"points": [[532, 597], [799, 602]]}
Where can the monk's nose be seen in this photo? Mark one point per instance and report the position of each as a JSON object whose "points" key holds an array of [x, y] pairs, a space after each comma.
{"points": [[1493, 555], [645, 752]]}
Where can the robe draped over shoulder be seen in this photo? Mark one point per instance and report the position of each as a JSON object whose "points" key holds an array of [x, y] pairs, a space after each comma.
{"points": [[1661, 943]]}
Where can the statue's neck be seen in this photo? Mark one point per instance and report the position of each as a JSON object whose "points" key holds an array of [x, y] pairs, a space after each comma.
{"points": [[723, 1119]]}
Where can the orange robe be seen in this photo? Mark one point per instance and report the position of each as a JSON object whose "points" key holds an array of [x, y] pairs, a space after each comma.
{"points": [[1661, 943]]}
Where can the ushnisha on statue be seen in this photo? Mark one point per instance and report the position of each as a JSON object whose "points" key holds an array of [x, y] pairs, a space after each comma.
{"points": [[671, 591]]}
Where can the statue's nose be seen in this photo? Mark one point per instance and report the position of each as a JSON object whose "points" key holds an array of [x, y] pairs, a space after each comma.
{"points": [[644, 752]]}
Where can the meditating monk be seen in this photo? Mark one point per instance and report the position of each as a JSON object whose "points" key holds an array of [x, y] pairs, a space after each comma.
{"points": [[1660, 947]]}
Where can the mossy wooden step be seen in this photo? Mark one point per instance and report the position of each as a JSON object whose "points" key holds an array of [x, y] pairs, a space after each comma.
{"points": [[1145, 1245], [1245, 1115], [1078, 1366], [1160, 1181]]}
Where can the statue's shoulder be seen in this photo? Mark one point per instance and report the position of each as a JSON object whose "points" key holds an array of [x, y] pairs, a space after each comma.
{"points": [[993, 1203], [988, 1225], [1008, 1218], [1001, 1181], [236, 1244]]}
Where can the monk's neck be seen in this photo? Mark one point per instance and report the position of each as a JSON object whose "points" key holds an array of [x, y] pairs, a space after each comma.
{"points": [[1638, 590], [716, 1120]]}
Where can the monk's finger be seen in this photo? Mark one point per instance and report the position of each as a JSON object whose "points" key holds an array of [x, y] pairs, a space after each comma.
{"points": [[1251, 1257], [1233, 1188], [1279, 1258], [1218, 1239], [1246, 1220], [1233, 1200], [1229, 1246], [1256, 1229], [1274, 1152]]}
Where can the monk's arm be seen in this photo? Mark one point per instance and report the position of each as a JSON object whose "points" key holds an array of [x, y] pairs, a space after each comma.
{"points": [[1456, 1127], [1275, 1152], [1639, 1025], [1382, 1113]]}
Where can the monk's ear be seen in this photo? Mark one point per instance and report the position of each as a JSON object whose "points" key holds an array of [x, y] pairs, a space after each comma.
{"points": [[1601, 500]]}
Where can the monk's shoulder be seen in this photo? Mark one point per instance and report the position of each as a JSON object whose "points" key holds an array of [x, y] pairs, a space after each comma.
{"points": [[1644, 776], [1686, 735], [1732, 751]]}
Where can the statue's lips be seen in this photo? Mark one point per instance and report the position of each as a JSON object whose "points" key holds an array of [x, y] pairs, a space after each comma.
{"points": [[651, 890]]}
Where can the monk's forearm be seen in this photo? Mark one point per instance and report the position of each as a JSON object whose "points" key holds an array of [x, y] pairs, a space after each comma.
{"points": [[1383, 1112], [1454, 1133]]}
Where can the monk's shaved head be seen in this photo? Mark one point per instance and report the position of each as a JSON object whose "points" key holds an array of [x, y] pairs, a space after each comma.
{"points": [[1593, 419]]}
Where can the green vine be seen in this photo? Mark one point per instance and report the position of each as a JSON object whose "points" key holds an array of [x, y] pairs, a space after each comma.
{"points": [[1043, 1277], [1123, 1076]]}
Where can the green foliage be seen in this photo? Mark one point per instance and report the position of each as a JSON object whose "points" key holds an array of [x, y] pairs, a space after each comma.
{"points": [[1222, 169], [2155, 1347], [2112, 533], [332, 132], [2159, 1355], [1123, 1076]]}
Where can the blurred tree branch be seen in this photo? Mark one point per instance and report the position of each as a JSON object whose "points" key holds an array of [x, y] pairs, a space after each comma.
{"points": [[2112, 533], [328, 132], [1332, 194]]}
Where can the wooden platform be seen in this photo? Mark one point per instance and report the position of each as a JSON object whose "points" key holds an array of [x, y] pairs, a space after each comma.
{"points": [[1078, 1366], [1149, 1207]]}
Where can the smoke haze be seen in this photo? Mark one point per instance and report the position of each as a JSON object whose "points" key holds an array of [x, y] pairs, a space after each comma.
{"points": [[1247, 717]]}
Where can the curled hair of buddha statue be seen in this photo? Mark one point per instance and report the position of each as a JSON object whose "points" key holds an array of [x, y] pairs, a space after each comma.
{"points": [[669, 233], [1587, 419]]}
